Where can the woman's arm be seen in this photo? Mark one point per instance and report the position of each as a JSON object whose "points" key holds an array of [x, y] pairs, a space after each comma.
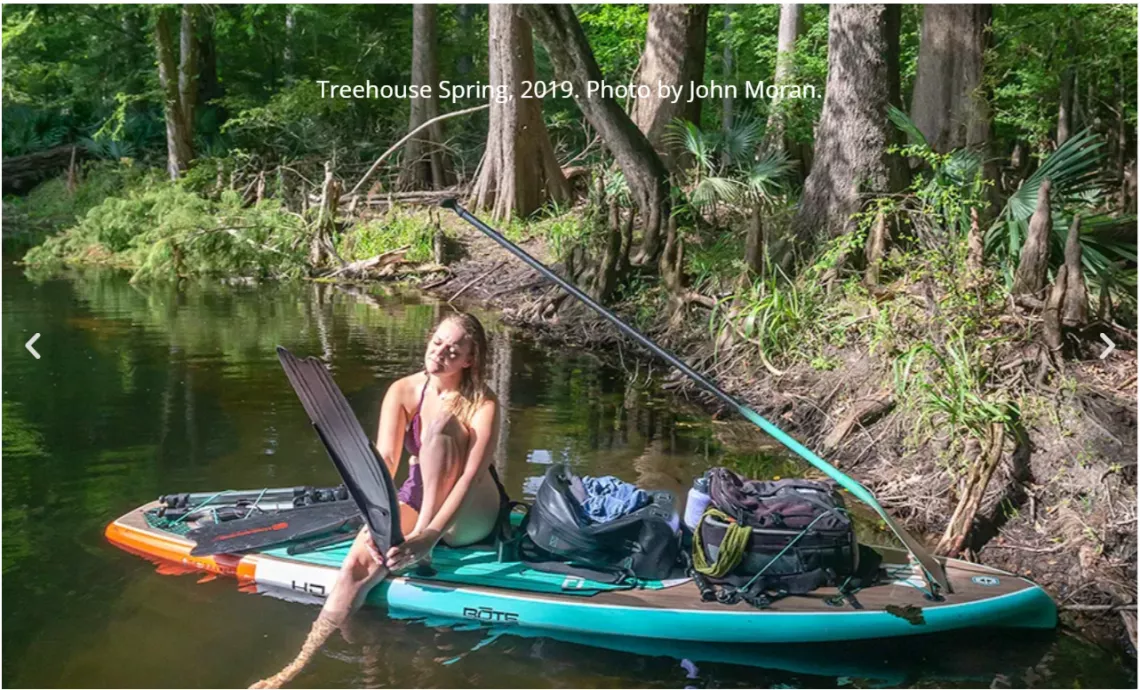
{"points": [[483, 431], [390, 434]]}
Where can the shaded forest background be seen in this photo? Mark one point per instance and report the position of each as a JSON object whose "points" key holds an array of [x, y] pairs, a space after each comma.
{"points": [[919, 270]]}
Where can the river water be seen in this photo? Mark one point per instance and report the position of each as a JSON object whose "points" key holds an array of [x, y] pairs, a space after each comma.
{"points": [[144, 390]]}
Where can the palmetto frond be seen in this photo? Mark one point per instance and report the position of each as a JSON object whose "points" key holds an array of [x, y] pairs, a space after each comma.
{"points": [[714, 189], [1071, 169], [764, 179], [739, 142], [907, 126], [686, 136]]}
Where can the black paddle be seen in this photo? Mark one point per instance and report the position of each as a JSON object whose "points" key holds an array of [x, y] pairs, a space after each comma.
{"points": [[360, 466], [934, 571]]}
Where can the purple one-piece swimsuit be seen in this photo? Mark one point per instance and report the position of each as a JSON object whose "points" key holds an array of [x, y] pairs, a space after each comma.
{"points": [[411, 492]]}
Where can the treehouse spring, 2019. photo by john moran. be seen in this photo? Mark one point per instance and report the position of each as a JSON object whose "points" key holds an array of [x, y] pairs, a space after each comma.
{"points": [[715, 345]]}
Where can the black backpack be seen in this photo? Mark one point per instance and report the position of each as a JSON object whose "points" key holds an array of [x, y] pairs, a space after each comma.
{"points": [[801, 538], [558, 538]]}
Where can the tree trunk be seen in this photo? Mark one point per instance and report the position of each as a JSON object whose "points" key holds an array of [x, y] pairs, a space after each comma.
{"points": [[174, 80], [973, 489], [326, 219], [1121, 143], [1065, 109], [287, 55], [209, 88], [728, 72], [1034, 261], [645, 174], [518, 172], [876, 249], [188, 68], [975, 248], [851, 160], [948, 105], [754, 242], [791, 25], [465, 62], [424, 164], [607, 275], [674, 55]]}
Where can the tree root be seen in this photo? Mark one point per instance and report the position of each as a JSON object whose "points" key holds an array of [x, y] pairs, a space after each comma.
{"points": [[974, 488]]}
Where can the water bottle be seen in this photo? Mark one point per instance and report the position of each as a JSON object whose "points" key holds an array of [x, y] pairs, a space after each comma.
{"points": [[697, 502]]}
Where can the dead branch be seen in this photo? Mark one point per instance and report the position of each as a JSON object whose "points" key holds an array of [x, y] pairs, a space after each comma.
{"points": [[474, 280], [396, 147], [358, 269], [862, 414]]}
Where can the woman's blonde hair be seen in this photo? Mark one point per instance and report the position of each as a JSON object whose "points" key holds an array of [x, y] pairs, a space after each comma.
{"points": [[473, 390]]}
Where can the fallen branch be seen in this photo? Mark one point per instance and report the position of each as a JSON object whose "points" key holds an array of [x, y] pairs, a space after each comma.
{"points": [[862, 414], [374, 263], [1129, 618], [395, 147], [474, 280]]}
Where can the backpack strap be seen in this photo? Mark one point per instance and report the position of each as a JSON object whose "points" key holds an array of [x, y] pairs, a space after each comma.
{"points": [[537, 559], [731, 550]]}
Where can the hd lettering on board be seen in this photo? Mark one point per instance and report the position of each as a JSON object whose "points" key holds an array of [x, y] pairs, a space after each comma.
{"points": [[310, 588]]}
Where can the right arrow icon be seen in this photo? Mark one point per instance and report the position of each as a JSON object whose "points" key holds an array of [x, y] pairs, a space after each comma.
{"points": [[1111, 346], [31, 349]]}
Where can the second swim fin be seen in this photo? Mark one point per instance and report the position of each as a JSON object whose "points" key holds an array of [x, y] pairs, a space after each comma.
{"points": [[267, 529]]}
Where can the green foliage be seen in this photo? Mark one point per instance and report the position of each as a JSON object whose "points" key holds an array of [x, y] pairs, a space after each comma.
{"points": [[617, 37], [950, 386], [777, 315], [723, 168], [159, 229], [1033, 45], [50, 206], [1072, 169], [714, 262], [753, 37], [949, 186], [395, 230]]}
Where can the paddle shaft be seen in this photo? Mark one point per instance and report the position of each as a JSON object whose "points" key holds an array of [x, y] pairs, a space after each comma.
{"points": [[858, 490]]}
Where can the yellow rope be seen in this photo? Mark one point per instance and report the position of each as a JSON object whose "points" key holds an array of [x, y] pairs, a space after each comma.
{"points": [[732, 547]]}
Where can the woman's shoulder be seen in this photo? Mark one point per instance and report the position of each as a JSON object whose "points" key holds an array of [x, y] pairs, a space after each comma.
{"points": [[409, 385], [490, 400]]}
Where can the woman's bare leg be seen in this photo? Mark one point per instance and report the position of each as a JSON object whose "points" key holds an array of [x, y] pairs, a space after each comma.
{"points": [[441, 462], [357, 576]]}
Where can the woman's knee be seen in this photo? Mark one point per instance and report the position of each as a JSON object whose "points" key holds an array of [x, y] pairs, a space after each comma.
{"points": [[443, 440], [445, 426]]}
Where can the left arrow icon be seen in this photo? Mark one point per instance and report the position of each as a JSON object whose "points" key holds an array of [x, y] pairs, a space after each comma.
{"points": [[29, 344]]}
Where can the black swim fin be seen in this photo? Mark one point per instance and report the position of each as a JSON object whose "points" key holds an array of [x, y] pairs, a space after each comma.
{"points": [[266, 529], [360, 466]]}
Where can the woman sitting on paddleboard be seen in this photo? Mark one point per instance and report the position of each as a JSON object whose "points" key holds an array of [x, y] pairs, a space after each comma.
{"points": [[445, 417]]}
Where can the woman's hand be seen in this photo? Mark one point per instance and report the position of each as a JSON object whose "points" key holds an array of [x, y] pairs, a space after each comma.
{"points": [[415, 548], [373, 550]]}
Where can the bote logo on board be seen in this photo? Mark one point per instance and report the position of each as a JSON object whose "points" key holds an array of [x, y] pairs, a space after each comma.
{"points": [[485, 613]]}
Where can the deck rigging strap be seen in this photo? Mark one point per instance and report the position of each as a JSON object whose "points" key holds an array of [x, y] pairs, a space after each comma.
{"points": [[933, 571]]}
